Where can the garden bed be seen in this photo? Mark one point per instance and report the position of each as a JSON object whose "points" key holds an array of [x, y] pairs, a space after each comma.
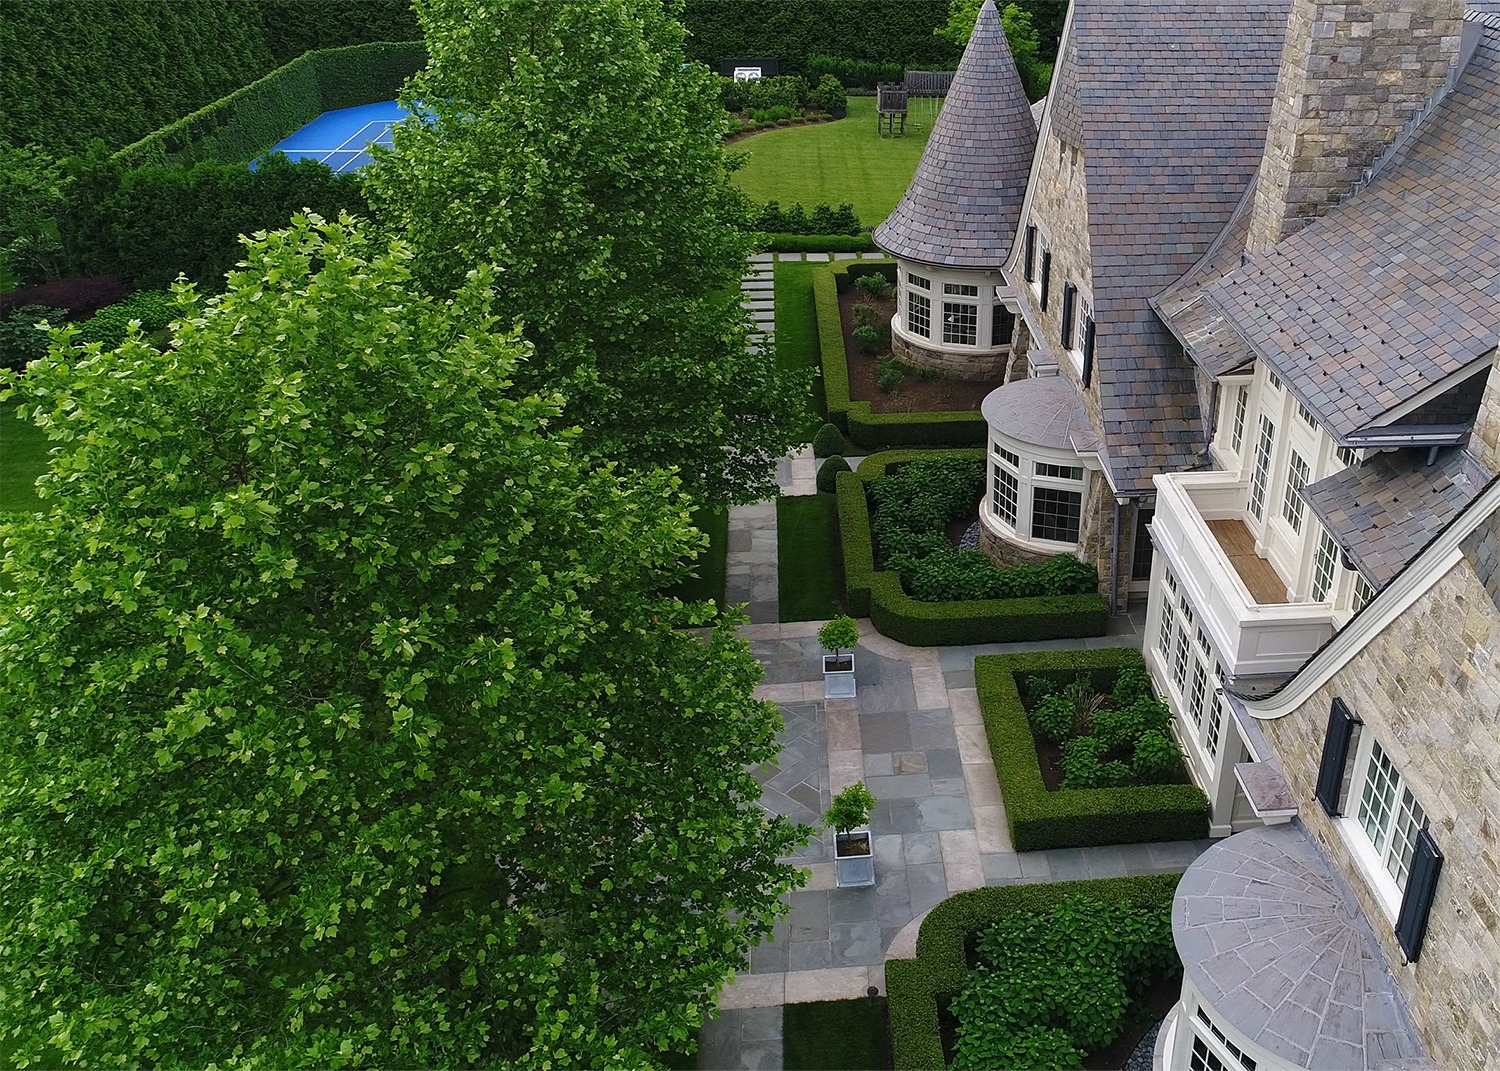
{"points": [[1040, 817]]}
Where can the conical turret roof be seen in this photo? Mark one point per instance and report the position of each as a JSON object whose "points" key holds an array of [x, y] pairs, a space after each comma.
{"points": [[964, 202]]}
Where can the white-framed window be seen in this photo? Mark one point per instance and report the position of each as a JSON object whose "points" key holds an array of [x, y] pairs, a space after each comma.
{"points": [[921, 282], [1212, 1050], [1325, 567], [961, 289], [1181, 656], [1260, 476], [1348, 456], [1192, 672], [1306, 414], [919, 314], [1388, 814], [1237, 428], [1273, 379], [1040, 501], [1215, 727], [1363, 593], [960, 322], [1292, 503], [1199, 691]]}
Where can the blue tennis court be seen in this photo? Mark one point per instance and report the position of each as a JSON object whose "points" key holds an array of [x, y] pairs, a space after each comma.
{"points": [[340, 138]]}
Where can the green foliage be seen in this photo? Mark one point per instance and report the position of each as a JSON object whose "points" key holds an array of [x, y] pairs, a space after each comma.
{"points": [[1072, 818], [771, 115], [115, 69], [1120, 727], [21, 341], [851, 806], [924, 495], [339, 684], [872, 284], [1055, 717], [851, 73], [617, 231], [823, 219], [898, 32], [829, 95], [948, 574], [841, 632], [811, 586], [865, 315], [1020, 34], [293, 27], [150, 224], [153, 308], [32, 189], [1158, 758], [889, 375], [1130, 685], [941, 966], [868, 337], [828, 474], [828, 441], [817, 243], [1085, 765], [835, 1035]]}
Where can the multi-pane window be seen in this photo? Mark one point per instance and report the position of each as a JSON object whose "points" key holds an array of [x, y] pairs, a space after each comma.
{"points": [[1363, 593], [1292, 503], [1215, 719], [1055, 514], [961, 289], [1059, 472], [1181, 659], [1202, 1058], [1234, 1051], [1389, 815], [1348, 457], [1237, 429], [1274, 379], [1200, 690], [1046, 278], [919, 314], [1325, 565], [1030, 253], [1069, 310], [921, 282], [960, 324], [1306, 414], [1261, 474], [1168, 619], [1006, 495]]}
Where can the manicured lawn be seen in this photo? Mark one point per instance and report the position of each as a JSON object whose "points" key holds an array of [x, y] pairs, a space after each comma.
{"points": [[23, 457], [836, 1035], [835, 162], [797, 331], [810, 573], [712, 565]]}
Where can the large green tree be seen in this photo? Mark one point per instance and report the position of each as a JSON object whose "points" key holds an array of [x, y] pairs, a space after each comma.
{"points": [[341, 721], [1033, 62], [571, 142]]}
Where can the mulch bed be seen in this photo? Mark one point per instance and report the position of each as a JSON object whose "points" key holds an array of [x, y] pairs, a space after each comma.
{"points": [[914, 395]]}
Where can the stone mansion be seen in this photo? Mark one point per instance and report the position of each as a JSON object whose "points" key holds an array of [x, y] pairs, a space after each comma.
{"points": [[1240, 275]]}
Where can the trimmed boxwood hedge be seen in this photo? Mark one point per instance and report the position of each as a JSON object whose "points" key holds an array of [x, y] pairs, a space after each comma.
{"points": [[817, 243], [856, 419], [238, 127], [877, 594], [914, 986], [1073, 818]]}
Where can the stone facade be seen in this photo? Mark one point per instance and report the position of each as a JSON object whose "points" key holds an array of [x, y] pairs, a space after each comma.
{"points": [[1004, 552], [1428, 687], [1484, 440], [972, 365], [1352, 73], [1097, 528]]}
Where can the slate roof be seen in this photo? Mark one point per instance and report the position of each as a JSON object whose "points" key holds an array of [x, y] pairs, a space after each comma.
{"points": [[1275, 941], [1044, 411], [1384, 511], [1482, 548], [1398, 287], [1170, 104], [964, 203]]}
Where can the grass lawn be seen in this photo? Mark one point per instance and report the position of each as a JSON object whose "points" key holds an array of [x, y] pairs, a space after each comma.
{"points": [[713, 564], [23, 457], [836, 1035], [835, 162], [797, 332], [810, 575]]}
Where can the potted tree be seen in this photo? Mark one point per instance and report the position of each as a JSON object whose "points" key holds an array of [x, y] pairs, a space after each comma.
{"points": [[838, 667], [853, 848]]}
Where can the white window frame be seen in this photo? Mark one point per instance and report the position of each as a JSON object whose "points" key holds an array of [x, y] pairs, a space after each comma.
{"points": [[912, 300], [1260, 471], [953, 313], [1237, 425], [1183, 652], [1293, 506], [1326, 565], [1024, 471], [1373, 854]]}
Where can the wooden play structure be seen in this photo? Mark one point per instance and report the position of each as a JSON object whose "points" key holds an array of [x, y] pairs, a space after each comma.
{"points": [[890, 109]]}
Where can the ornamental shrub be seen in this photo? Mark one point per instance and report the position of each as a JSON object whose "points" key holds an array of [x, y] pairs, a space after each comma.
{"points": [[828, 474], [829, 441], [888, 372], [923, 496], [864, 315], [872, 284], [828, 95], [153, 308], [839, 633], [1121, 727], [21, 341], [1084, 765], [1157, 757], [852, 806], [867, 336], [785, 91], [1054, 717], [1132, 684]]}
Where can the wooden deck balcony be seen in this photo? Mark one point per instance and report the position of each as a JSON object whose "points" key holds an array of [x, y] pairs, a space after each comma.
{"points": [[1265, 585]]}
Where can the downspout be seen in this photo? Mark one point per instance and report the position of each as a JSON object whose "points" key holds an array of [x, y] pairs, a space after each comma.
{"points": [[1114, 563]]}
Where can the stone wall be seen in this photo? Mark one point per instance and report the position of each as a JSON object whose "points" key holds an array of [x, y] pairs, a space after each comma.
{"points": [[1004, 552], [1484, 440], [1352, 73], [1097, 528], [1428, 687], [965, 366]]}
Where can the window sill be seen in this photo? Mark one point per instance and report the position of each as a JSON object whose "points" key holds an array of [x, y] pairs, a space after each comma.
{"points": [[1376, 878]]}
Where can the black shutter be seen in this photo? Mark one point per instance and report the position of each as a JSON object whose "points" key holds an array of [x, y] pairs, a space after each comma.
{"points": [[1070, 298], [1030, 252], [1046, 277], [1341, 725], [1088, 350], [1421, 884]]}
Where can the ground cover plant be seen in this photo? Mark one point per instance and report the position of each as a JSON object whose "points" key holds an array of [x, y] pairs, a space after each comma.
{"points": [[1021, 935], [836, 1035], [846, 161], [811, 577], [1083, 751]]}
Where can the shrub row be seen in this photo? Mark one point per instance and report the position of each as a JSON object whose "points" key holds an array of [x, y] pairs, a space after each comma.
{"points": [[1073, 818], [818, 243], [820, 219], [856, 419], [915, 986], [242, 125], [878, 595]]}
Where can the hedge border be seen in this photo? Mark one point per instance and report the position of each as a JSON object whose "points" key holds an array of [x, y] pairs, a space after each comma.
{"points": [[877, 594], [279, 103], [914, 986], [856, 419], [780, 242], [1072, 818]]}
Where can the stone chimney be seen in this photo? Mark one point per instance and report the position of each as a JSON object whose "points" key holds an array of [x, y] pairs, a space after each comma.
{"points": [[1352, 74], [1484, 440]]}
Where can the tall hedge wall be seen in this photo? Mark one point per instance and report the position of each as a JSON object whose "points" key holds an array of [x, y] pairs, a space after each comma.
{"points": [[116, 69], [297, 26], [898, 31]]}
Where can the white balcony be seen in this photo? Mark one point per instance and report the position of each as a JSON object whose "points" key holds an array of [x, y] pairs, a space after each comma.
{"points": [[1241, 601]]}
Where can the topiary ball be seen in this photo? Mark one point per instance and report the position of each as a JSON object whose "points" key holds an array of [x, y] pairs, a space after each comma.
{"points": [[829, 441], [828, 474]]}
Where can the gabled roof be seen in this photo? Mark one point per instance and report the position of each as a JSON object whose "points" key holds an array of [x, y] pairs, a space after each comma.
{"points": [[1395, 290], [963, 205], [1169, 103]]}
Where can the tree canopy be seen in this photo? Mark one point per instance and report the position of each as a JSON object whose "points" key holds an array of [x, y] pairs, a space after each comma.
{"points": [[571, 142], [1021, 34], [342, 722]]}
